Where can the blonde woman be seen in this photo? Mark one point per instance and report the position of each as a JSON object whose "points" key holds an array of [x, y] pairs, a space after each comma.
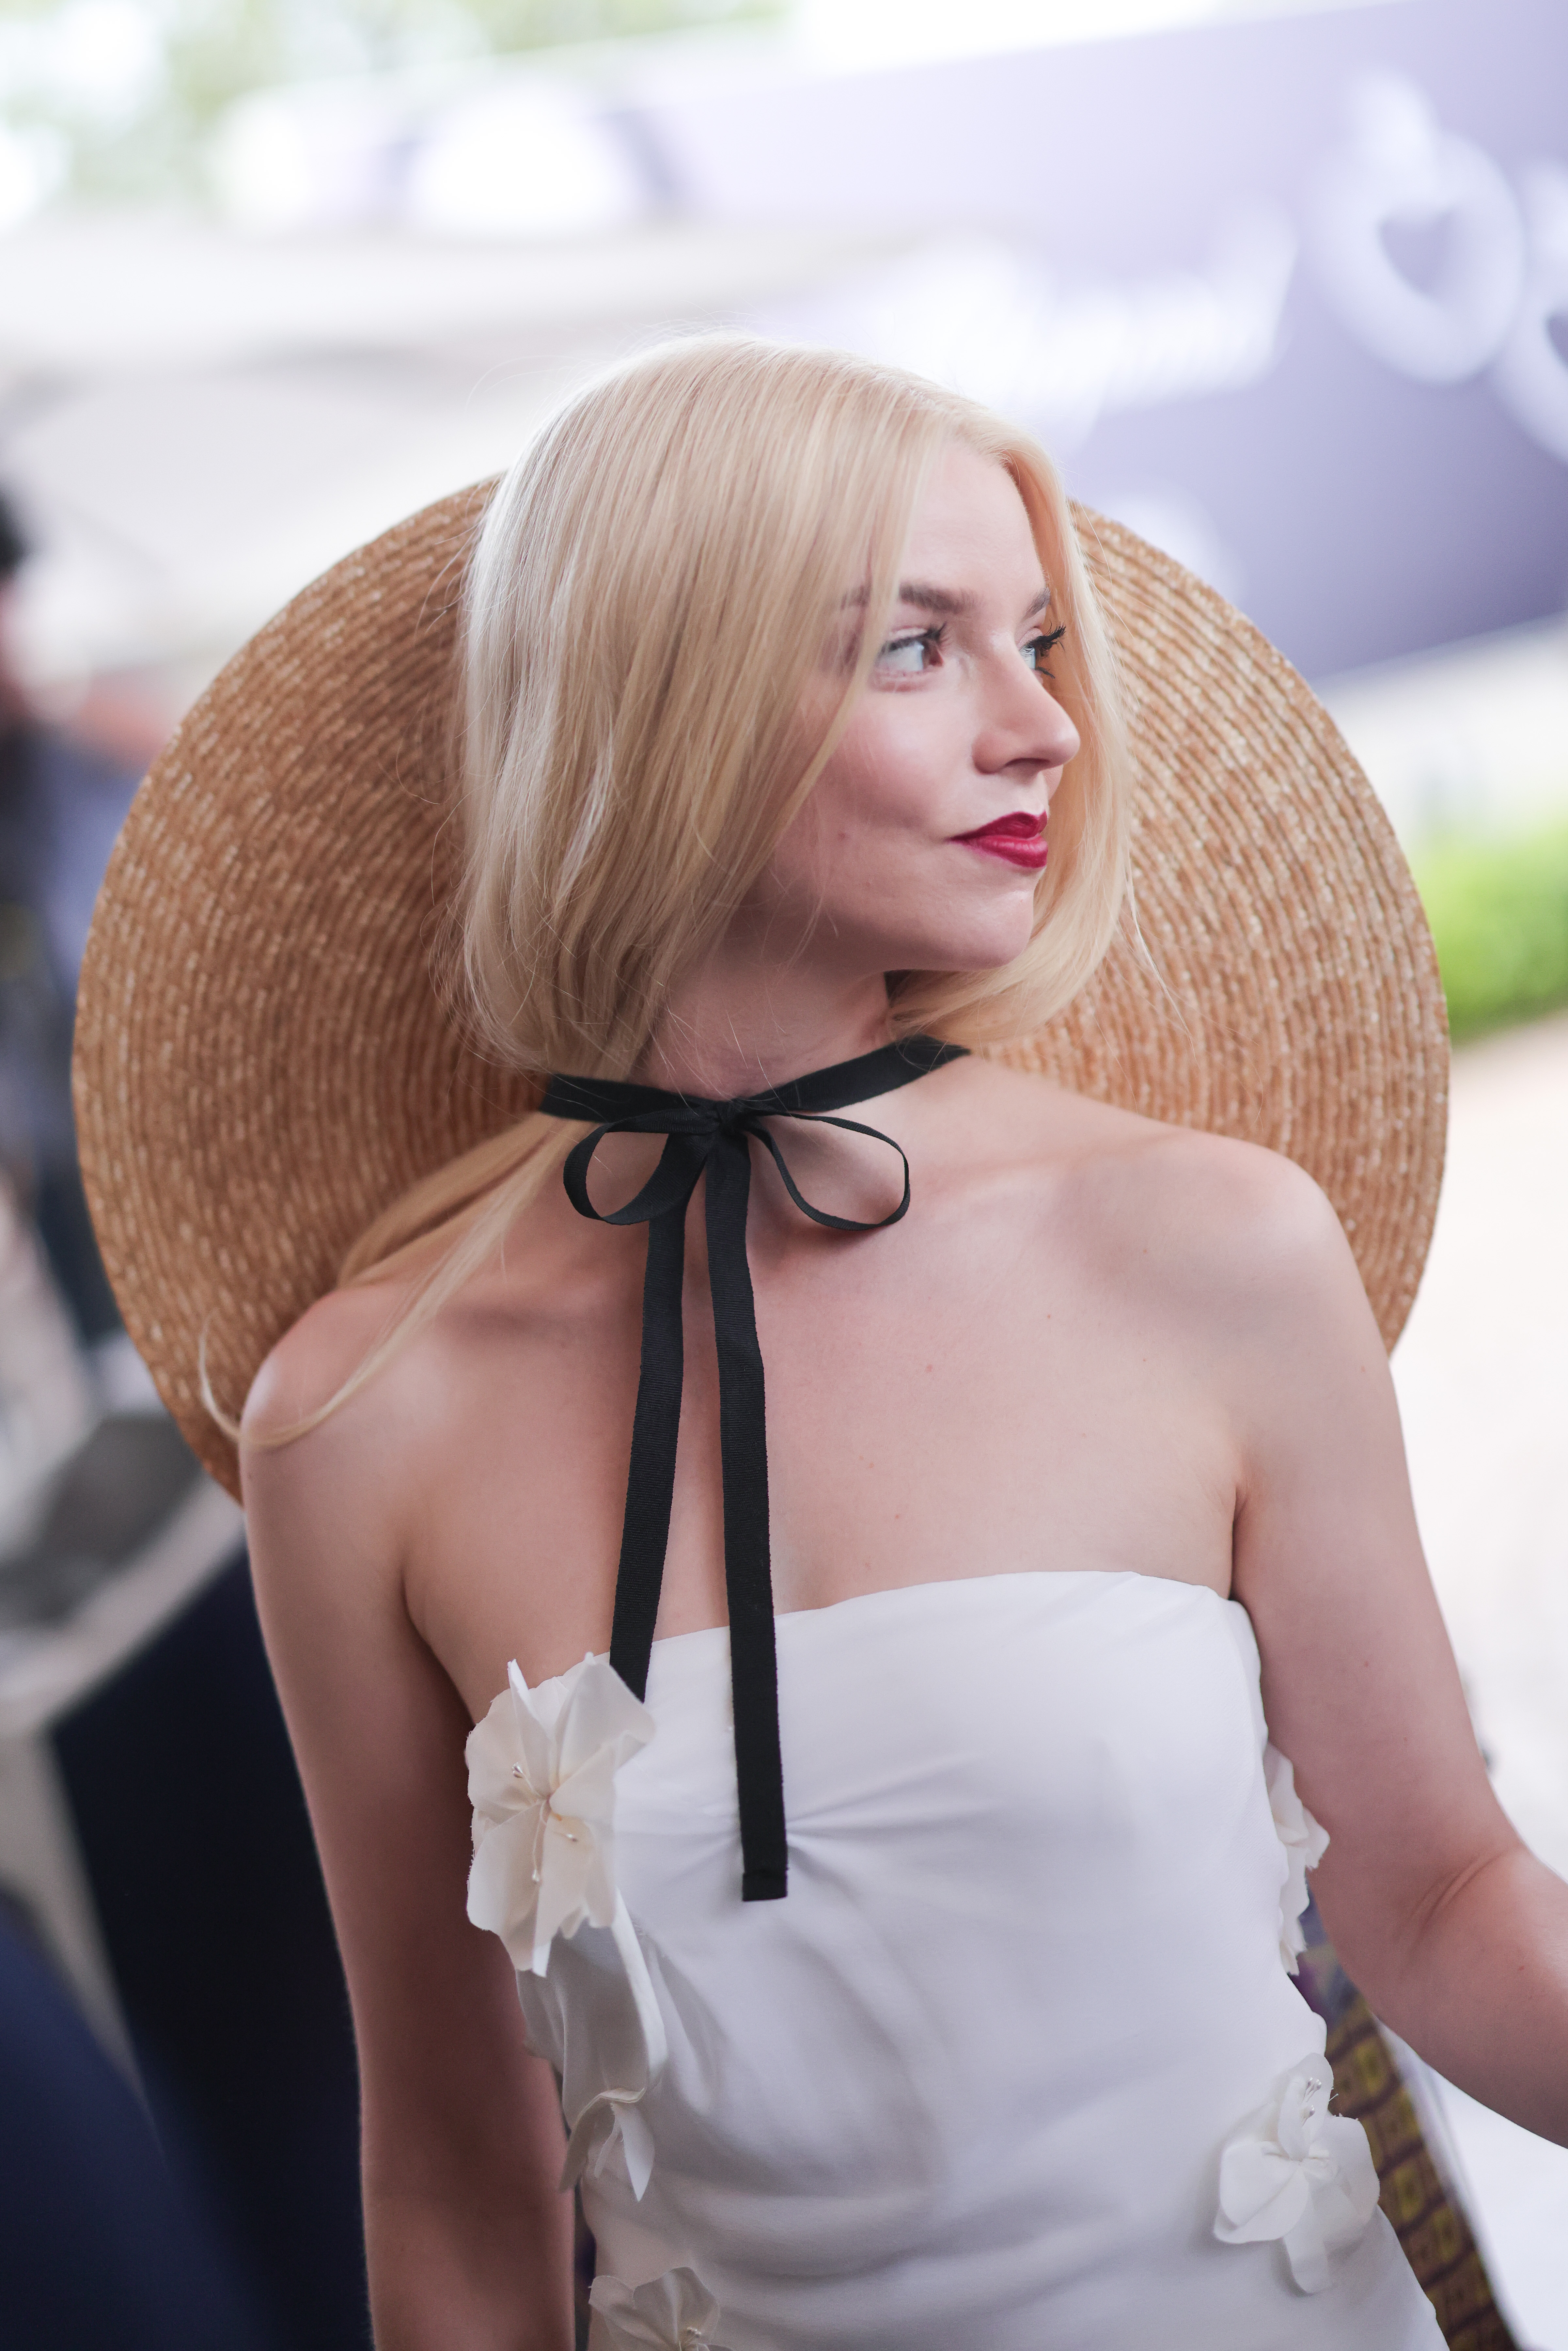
{"points": [[828, 1815]]}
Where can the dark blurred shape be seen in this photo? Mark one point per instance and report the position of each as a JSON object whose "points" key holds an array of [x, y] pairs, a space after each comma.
{"points": [[97, 2252], [119, 1488], [64, 1225], [12, 545], [193, 1828], [61, 804]]}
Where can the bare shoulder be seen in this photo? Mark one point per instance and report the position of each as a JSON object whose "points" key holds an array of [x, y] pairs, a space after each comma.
{"points": [[325, 1462], [313, 1358], [358, 1415], [1212, 1225], [1235, 1240]]}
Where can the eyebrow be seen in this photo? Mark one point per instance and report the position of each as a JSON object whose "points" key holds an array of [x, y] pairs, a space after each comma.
{"points": [[930, 599]]}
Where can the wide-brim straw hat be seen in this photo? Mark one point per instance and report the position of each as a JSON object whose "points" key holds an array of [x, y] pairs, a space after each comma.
{"points": [[264, 1062]]}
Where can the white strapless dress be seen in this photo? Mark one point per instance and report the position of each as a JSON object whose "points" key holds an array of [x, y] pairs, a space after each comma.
{"points": [[1017, 2064]]}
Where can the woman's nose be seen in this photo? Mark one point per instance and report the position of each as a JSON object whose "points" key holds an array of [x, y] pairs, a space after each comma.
{"points": [[1022, 723]]}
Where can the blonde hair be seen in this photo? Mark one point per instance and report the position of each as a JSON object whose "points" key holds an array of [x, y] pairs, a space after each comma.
{"points": [[628, 763]]}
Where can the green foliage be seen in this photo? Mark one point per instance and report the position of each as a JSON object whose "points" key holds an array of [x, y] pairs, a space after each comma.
{"points": [[1499, 912], [144, 138]]}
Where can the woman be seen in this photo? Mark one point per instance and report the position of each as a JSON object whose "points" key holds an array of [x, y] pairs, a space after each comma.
{"points": [[791, 731]]}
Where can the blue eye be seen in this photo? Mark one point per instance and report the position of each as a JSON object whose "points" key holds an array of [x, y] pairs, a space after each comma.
{"points": [[1037, 651], [909, 656]]}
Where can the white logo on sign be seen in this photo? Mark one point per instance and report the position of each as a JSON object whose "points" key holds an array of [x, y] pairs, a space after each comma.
{"points": [[1402, 170], [986, 317], [1531, 372], [977, 314], [1502, 284]]}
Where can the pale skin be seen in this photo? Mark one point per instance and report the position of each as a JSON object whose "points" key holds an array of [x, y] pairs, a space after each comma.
{"points": [[1096, 1342]]}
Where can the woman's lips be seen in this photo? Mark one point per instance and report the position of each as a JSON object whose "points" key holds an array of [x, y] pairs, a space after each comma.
{"points": [[1020, 838]]}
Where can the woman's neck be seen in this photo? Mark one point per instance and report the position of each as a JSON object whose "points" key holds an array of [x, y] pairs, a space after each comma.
{"points": [[729, 1032]]}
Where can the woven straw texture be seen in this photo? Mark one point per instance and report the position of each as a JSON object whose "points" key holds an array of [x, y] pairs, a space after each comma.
{"points": [[263, 1064]]}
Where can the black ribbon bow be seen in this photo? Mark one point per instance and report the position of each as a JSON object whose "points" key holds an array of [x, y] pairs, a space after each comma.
{"points": [[715, 1137]]}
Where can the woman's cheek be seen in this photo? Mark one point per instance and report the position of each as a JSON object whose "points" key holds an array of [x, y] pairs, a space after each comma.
{"points": [[904, 780]]}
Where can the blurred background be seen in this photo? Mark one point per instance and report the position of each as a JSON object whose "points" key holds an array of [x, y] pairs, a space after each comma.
{"points": [[1284, 286]]}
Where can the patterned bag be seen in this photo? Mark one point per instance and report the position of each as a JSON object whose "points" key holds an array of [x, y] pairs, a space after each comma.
{"points": [[1423, 2207]]}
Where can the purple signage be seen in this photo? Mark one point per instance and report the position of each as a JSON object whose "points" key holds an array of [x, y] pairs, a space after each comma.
{"points": [[1290, 293]]}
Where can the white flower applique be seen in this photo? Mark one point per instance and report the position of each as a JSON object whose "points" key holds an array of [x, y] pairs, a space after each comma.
{"points": [[610, 2120], [672, 2313], [1296, 2173], [1305, 1841], [541, 1779]]}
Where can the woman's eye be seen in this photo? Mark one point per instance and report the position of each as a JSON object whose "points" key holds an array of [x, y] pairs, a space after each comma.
{"points": [[1040, 648], [909, 656], [1037, 650]]}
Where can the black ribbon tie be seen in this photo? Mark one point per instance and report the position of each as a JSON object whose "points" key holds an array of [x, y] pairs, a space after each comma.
{"points": [[714, 1138]]}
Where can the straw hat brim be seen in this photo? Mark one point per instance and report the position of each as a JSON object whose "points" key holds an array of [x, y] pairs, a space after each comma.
{"points": [[263, 1064]]}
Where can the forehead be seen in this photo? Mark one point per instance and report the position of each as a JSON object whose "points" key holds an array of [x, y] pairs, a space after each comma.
{"points": [[970, 529]]}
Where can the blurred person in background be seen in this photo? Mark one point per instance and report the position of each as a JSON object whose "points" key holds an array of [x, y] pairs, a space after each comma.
{"points": [[62, 802], [99, 2252], [100, 2247]]}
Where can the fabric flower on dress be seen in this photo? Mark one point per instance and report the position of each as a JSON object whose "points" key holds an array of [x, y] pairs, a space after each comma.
{"points": [[1299, 2174], [541, 1779], [672, 2313], [1305, 1841], [611, 2120]]}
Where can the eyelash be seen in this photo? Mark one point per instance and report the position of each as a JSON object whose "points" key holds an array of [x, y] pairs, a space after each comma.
{"points": [[1043, 645]]}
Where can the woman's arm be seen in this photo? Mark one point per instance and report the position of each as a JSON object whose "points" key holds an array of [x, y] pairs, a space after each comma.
{"points": [[1456, 1935], [468, 2239]]}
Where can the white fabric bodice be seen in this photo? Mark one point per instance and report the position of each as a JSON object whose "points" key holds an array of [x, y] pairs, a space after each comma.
{"points": [[968, 2087]]}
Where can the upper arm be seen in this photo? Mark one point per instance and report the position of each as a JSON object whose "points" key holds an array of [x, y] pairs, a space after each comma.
{"points": [[1360, 1687], [457, 2112]]}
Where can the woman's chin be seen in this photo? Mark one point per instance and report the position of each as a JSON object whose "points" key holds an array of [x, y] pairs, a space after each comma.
{"points": [[984, 942], [961, 950], [931, 934]]}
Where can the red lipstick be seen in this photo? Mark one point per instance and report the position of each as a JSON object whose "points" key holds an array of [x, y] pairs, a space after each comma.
{"points": [[1020, 838]]}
